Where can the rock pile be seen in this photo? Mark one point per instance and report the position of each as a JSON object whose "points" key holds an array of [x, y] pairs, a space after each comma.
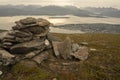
{"points": [[30, 39]]}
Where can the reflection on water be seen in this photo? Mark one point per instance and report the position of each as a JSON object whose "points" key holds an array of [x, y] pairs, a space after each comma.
{"points": [[7, 22], [58, 21], [58, 30]]}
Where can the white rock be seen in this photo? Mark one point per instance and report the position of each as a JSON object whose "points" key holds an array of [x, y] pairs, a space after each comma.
{"points": [[47, 43], [93, 49], [1, 72]]}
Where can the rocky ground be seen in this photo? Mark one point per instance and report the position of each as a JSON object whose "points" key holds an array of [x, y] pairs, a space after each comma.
{"points": [[103, 62], [32, 52], [29, 54]]}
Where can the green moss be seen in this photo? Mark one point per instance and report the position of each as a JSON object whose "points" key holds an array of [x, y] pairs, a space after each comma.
{"points": [[22, 72], [103, 64]]}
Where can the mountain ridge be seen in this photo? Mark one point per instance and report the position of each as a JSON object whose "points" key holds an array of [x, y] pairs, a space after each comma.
{"points": [[16, 10]]}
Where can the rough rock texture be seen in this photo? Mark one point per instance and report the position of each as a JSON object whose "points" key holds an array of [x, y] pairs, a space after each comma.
{"points": [[55, 48], [30, 39], [81, 54], [41, 57], [27, 47], [5, 57], [75, 47], [26, 39]]}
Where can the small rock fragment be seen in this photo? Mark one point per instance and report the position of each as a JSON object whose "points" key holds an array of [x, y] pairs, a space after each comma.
{"points": [[84, 43], [75, 47], [55, 48], [41, 57], [1, 73], [27, 47]]}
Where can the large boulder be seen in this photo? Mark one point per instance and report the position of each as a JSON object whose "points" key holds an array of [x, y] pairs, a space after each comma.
{"points": [[63, 48]]}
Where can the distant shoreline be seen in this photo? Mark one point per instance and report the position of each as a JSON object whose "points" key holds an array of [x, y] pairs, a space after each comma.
{"points": [[56, 17]]}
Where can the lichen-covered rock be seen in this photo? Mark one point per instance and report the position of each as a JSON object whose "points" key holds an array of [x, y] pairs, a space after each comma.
{"points": [[65, 48], [75, 47], [28, 20], [32, 54], [81, 54], [2, 35], [27, 47], [55, 45], [41, 57]]}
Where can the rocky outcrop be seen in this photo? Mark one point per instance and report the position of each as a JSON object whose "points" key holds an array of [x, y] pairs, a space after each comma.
{"points": [[30, 39]]}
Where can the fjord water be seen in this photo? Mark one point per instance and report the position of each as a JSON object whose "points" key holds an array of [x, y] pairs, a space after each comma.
{"points": [[7, 22]]}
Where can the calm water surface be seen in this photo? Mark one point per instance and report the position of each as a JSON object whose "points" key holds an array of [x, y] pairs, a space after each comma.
{"points": [[8, 22]]}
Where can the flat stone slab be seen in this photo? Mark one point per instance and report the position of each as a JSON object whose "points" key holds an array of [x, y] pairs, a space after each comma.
{"points": [[81, 54], [41, 57], [27, 47], [63, 49]]}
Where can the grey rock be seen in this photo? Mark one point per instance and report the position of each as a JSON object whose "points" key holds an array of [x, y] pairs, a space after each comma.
{"points": [[41, 57], [55, 48], [8, 40], [43, 33], [43, 22], [54, 79], [9, 36], [1, 73], [81, 54], [27, 47], [20, 26], [22, 34], [6, 58], [65, 48], [2, 34], [84, 43], [28, 20], [75, 47], [32, 54], [7, 44], [24, 39], [5, 54]]}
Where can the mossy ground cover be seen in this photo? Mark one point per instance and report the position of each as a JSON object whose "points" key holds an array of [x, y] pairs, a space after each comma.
{"points": [[102, 64]]}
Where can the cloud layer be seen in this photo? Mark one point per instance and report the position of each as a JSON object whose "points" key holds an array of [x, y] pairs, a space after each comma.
{"points": [[79, 3]]}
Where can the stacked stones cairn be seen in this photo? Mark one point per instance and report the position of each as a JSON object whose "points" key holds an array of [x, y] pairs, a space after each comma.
{"points": [[30, 39]]}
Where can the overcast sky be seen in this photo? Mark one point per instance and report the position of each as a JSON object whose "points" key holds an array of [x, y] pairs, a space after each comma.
{"points": [[79, 3]]}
